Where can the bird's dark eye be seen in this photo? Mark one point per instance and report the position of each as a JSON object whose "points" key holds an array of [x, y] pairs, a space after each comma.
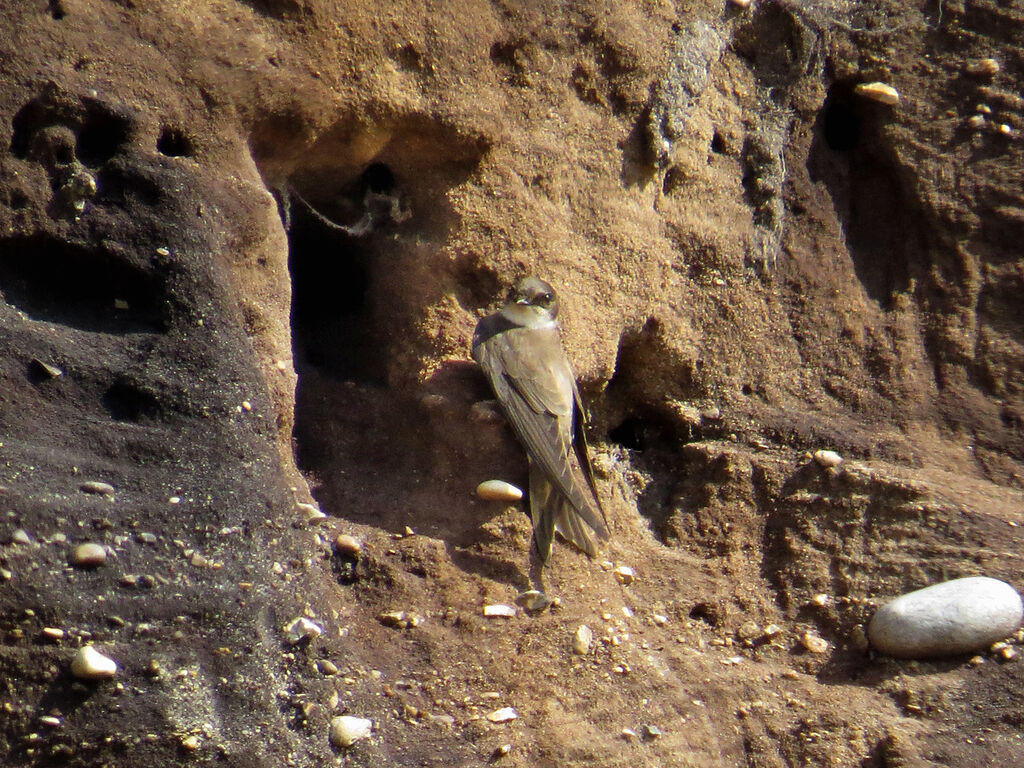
{"points": [[546, 298]]}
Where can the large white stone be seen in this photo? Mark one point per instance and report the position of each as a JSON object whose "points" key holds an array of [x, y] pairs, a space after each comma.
{"points": [[954, 617], [346, 730]]}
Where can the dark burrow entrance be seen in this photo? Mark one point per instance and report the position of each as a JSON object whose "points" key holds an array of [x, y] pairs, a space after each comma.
{"points": [[882, 223], [340, 339], [332, 328]]}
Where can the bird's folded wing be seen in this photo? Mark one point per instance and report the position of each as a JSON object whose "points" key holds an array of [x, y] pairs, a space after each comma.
{"points": [[534, 386]]}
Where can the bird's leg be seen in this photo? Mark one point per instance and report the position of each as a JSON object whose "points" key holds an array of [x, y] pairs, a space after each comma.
{"points": [[536, 571]]}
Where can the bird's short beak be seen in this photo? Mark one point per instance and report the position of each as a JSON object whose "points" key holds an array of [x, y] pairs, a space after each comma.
{"points": [[523, 301]]}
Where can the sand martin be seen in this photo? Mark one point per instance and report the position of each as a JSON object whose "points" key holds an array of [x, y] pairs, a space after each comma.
{"points": [[520, 350]]}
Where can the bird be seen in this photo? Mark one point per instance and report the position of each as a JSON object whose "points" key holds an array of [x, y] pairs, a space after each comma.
{"points": [[520, 350]]}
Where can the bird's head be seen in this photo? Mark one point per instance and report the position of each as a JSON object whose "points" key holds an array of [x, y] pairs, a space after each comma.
{"points": [[534, 297]]}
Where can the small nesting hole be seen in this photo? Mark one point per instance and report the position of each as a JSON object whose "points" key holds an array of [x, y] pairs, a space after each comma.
{"points": [[174, 143]]}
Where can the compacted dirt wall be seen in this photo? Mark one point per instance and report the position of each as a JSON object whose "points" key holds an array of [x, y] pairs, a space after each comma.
{"points": [[243, 248]]}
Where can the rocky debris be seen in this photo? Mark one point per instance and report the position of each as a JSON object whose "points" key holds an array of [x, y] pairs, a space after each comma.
{"points": [[582, 640], [88, 555], [346, 730], [90, 664], [498, 490], [946, 619]]}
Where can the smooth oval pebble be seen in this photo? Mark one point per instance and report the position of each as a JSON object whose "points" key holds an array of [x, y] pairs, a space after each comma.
{"points": [[88, 555], [348, 546], [947, 619], [95, 486], [880, 92], [346, 730], [90, 664], [498, 490], [827, 459]]}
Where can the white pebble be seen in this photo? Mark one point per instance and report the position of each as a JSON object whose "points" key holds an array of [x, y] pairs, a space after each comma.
{"points": [[498, 490], [90, 664], [301, 629], [880, 92], [346, 730], [947, 619], [498, 609], [624, 574], [582, 640], [827, 459], [88, 555], [503, 715]]}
